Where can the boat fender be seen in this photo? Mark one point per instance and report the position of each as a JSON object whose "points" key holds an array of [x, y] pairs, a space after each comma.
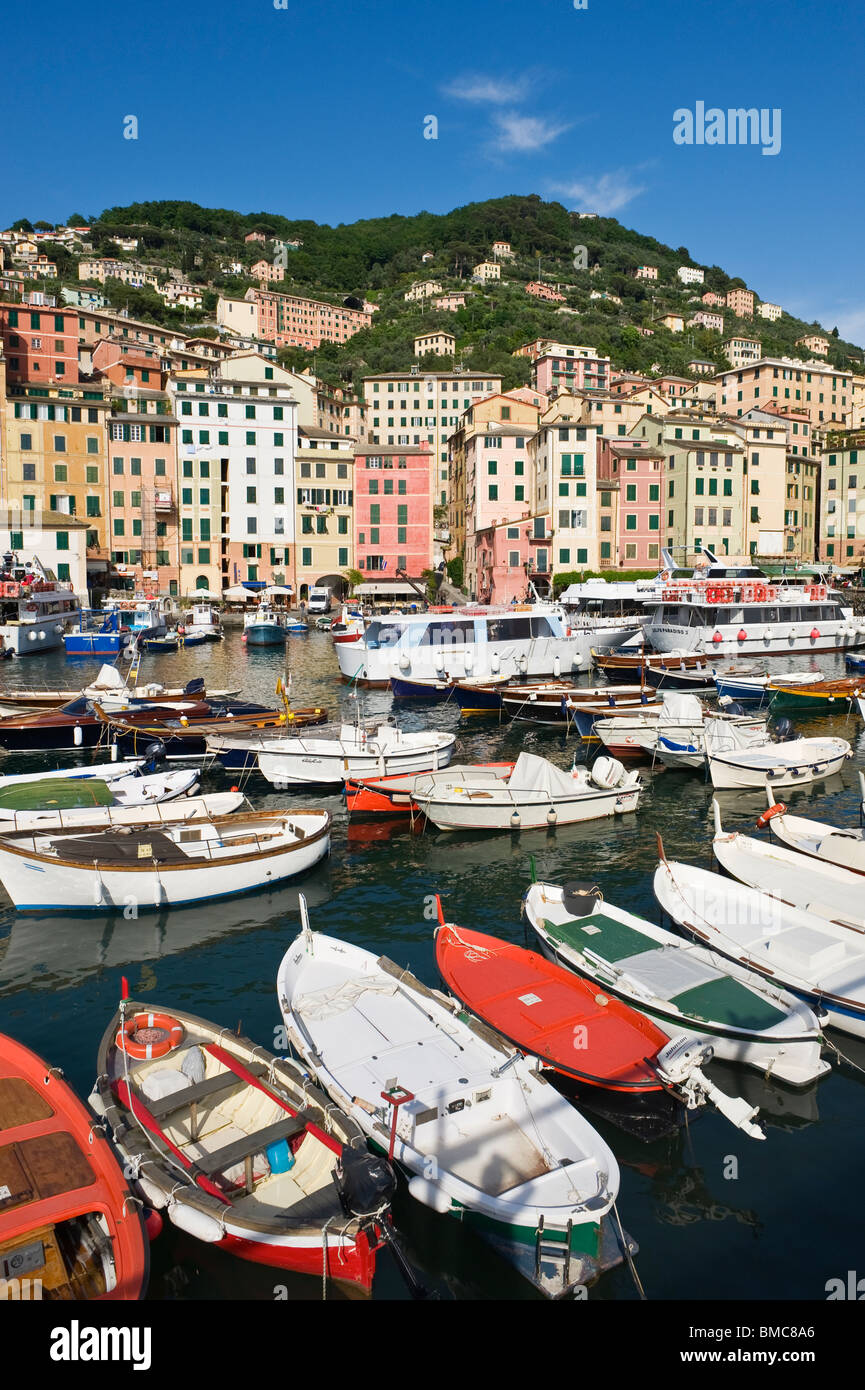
{"points": [[196, 1223], [78, 736], [515, 821], [777, 809], [404, 663], [153, 1195], [430, 1194], [557, 667], [495, 664], [551, 817]]}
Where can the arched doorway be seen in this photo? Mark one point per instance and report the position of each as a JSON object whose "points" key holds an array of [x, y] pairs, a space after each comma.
{"points": [[337, 583], [202, 582]]}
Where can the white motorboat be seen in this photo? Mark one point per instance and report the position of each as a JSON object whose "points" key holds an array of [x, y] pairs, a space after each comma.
{"points": [[202, 620], [483, 1137], [536, 795], [612, 612], [162, 867], [820, 961], [824, 889], [102, 772], [681, 986], [332, 753], [34, 609], [826, 844], [104, 817], [750, 687], [523, 641], [735, 763]]}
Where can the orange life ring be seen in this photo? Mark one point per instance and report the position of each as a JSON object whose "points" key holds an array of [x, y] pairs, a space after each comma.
{"points": [[147, 1049], [713, 594], [777, 810]]}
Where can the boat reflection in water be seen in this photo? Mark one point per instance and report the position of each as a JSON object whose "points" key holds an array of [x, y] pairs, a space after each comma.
{"points": [[57, 952]]}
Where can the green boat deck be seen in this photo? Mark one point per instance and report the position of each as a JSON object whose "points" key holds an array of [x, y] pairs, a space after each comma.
{"points": [[56, 794], [720, 999]]}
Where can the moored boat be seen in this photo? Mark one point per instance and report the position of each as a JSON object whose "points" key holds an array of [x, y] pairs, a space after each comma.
{"points": [[828, 890], [99, 815], [681, 986], [160, 867], [265, 627], [69, 1229], [820, 696], [238, 1148], [483, 1138], [393, 795], [828, 844], [329, 755], [537, 795], [735, 763], [820, 961]]}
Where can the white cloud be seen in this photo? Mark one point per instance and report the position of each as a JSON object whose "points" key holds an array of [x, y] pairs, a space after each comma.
{"points": [[479, 87], [605, 194], [524, 134]]}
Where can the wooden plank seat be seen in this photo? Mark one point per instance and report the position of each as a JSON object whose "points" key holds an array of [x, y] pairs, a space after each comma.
{"points": [[216, 1162], [190, 1095]]}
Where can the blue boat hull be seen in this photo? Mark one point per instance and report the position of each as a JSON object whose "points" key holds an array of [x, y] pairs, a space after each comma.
{"points": [[92, 643], [420, 690], [855, 663], [265, 635], [744, 694]]}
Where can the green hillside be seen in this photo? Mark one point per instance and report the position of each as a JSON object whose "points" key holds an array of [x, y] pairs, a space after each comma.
{"points": [[379, 258]]}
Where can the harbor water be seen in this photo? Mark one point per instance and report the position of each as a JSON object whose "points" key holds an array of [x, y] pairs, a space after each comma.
{"points": [[716, 1215]]}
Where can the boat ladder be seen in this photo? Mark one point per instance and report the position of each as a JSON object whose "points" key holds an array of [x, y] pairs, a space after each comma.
{"points": [[556, 1250]]}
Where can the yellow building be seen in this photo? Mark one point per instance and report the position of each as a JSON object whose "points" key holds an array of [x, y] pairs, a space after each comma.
{"points": [[324, 507]]}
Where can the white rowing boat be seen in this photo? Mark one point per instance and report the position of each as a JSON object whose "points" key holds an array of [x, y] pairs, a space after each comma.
{"points": [[329, 756], [160, 867], [484, 1138], [537, 794], [820, 961], [735, 764], [681, 986], [828, 844], [77, 818], [825, 889]]}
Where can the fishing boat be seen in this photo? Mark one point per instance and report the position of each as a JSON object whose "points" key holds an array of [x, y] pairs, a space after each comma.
{"points": [[324, 623], [35, 608], [166, 642], [237, 1147], [479, 696], [202, 620], [682, 987], [854, 663], [537, 795], [69, 1228], [162, 867], [521, 641], [828, 890], [482, 1136], [748, 686], [185, 736], [296, 627], [393, 795], [589, 1037], [827, 844], [80, 724], [735, 762], [562, 702], [143, 615], [820, 696], [105, 639], [265, 627], [104, 772], [820, 961], [629, 663], [329, 755], [697, 677]]}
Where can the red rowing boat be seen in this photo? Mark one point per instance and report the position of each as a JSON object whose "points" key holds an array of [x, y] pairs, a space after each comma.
{"points": [[550, 1013], [69, 1226], [392, 796]]}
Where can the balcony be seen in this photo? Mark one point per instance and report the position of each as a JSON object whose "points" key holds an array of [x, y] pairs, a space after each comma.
{"points": [[163, 500]]}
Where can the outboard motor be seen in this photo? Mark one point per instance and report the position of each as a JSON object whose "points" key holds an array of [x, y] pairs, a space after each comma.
{"points": [[154, 755], [195, 687], [734, 707], [366, 1183], [782, 729]]}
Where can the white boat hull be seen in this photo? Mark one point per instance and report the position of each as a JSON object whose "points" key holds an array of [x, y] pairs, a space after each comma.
{"points": [[189, 808], [451, 808], [739, 771]]}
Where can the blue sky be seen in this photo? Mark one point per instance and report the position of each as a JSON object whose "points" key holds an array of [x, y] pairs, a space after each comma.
{"points": [[317, 111]]}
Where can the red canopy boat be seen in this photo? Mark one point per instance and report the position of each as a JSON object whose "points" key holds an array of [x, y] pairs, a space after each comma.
{"points": [[548, 1012], [69, 1226]]}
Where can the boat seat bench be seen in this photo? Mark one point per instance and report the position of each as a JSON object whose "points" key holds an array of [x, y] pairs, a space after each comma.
{"points": [[227, 1157], [190, 1095]]}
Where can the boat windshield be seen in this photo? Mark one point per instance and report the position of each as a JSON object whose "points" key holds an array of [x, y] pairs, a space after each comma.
{"points": [[79, 706]]}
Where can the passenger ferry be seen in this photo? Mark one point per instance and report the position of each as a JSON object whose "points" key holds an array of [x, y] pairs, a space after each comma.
{"points": [[34, 609], [525, 640], [614, 612], [727, 615]]}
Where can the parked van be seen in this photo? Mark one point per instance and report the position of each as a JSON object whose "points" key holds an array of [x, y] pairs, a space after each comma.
{"points": [[318, 601]]}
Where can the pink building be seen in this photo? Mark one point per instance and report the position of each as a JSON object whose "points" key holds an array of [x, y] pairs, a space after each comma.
{"points": [[630, 524], [741, 302], [393, 509], [504, 554], [565, 368], [264, 270], [716, 300], [708, 320], [541, 291], [255, 236]]}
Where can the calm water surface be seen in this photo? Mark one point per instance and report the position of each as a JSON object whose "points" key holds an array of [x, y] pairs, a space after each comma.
{"points": [[792, 1218]]}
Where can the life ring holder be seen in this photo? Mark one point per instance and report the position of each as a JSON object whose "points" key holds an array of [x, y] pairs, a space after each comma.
{"points": [[150, 1049]]}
